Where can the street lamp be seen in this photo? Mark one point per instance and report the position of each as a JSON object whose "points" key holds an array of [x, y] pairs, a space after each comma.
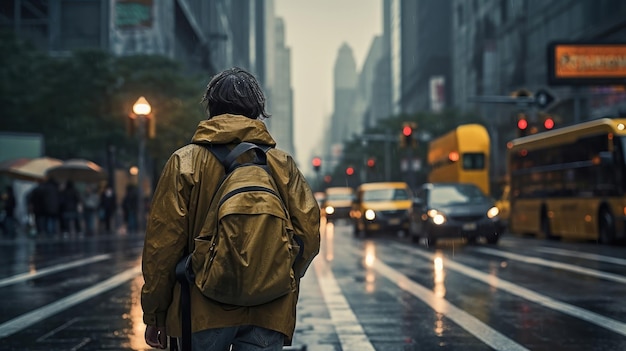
{"points": [[141, 109]]}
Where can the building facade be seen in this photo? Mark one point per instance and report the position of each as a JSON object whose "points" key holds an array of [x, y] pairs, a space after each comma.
{"points": [[205, 35]]}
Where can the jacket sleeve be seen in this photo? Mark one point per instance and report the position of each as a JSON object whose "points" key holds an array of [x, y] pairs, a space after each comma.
{"points": [[305, 217], [165, 242]]}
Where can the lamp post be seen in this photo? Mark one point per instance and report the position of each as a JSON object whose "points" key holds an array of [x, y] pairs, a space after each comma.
{"points": [[141, 109]]}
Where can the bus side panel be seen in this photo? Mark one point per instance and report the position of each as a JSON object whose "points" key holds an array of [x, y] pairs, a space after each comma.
{"points": [[447, 173], [474, 138], [525, 216], [573, 219]]}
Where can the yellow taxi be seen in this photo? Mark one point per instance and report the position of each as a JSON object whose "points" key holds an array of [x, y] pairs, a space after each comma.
{"points": [[381, 207], [337, 203]]}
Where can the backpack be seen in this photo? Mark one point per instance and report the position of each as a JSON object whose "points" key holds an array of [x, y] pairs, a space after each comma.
{"points": [[247, 257]]}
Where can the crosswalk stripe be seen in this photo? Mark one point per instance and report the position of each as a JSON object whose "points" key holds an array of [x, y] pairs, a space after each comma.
{"points": [[543, 300], [347, 326], [466, 321], [24, 321]]}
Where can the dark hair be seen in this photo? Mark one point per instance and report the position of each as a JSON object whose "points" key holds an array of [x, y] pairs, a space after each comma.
{"points": [[235, 91]]}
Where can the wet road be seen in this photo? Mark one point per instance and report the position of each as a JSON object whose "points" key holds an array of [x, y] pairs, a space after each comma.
{"points": [[380, 293]]}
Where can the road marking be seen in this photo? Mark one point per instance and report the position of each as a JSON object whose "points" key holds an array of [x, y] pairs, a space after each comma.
{"points": [[49, 270], [589, 256], [543, 300], [439, 304], [347, 326], [15, 325], [564, 266]]}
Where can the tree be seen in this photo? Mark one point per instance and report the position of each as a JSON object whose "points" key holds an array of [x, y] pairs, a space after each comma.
{"points": [[81, 102]]}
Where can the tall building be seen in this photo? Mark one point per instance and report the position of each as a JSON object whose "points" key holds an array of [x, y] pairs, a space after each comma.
{"points": [[381, 103], [344, 94], [420, 55], [366, 93], [281, 123]]}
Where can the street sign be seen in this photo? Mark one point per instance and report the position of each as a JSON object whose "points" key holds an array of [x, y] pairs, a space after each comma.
{"points": [[543, 98]]}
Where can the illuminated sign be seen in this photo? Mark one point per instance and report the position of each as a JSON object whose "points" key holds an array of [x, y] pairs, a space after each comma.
{"points": [[587, 63]]}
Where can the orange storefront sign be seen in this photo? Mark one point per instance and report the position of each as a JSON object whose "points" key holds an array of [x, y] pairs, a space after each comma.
{"points": [[587, 62]]}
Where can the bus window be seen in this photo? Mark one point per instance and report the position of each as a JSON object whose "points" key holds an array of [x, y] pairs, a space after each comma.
{"points": [[473, 161]]}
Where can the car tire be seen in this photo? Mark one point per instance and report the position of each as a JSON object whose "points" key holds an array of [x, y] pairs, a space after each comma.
{"points": [[359, 233], [492, 238], [431, 241]]}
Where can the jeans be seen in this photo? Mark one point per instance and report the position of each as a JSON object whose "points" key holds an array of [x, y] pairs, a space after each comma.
{"points": [[242, 338]]}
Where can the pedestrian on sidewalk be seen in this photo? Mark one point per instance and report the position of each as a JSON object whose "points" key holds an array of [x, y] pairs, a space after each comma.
{"points": [[8, 222], [70, 202], [235, 106], [91, 203], [52, 206], [129, 208], [107, 209]]}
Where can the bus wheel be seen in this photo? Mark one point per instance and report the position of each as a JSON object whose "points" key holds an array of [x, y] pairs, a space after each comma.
{"points": [[606, 228]]}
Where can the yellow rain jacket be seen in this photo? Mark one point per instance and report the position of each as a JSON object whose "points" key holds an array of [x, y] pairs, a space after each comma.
{"points": [[179, 206]]}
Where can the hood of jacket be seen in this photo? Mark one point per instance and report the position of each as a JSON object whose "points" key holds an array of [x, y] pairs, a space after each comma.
{"points": [[228, 129]]}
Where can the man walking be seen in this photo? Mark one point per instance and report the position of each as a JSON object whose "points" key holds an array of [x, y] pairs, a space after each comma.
{"points": [[235, 106]]}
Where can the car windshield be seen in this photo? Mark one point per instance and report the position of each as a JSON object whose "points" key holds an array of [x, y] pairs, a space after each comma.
{"points": [[338, 197], [385, 195], [457, 194]]}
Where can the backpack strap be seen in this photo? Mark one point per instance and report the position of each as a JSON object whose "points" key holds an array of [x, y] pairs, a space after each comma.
{"points": [[230, 162], [228, 157]]}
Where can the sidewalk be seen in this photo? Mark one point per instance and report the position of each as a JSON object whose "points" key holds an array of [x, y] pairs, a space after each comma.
{"points": [[314, 328]]}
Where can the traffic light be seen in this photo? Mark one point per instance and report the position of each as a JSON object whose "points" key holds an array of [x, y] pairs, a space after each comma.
{"points": [[548, 122], [350, 171], [371, 162], [407, 137], [522, 125], [317, 163]]}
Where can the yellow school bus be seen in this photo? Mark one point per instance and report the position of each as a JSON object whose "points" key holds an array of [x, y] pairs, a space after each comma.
{"points": [[570, 182], [461, 155]]}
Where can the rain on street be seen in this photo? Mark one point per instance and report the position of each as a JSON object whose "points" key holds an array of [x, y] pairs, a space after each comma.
{"points": [[379, 293]]}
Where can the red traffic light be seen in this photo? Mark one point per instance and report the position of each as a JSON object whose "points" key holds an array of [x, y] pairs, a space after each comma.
{"points": [[316, 162], [371, 162], [522, 124], [407, 131], [548, 123], [349, 171]]}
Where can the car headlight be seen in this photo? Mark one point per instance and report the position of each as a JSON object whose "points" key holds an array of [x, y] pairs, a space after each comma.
{"points": [[437, 217], [370, 215], [330, 210], [493, 212]]}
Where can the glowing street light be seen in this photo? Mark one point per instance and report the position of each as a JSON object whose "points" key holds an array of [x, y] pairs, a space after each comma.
{"points": [[141, 109]]}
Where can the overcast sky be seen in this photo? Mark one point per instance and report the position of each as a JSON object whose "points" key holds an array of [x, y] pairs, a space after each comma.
{"points": [[314, 30]]}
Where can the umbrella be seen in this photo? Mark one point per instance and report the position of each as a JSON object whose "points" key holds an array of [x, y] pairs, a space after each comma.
{"points": [[29, 169], [78, 170]]}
